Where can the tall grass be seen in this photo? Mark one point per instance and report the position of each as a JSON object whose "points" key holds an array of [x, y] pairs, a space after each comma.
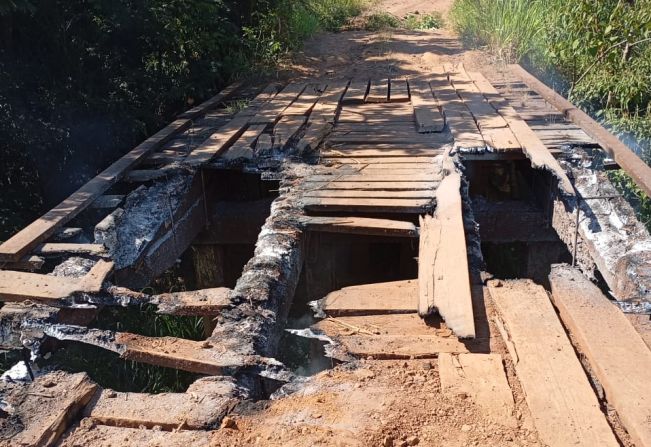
{"points": [[511, 29]]}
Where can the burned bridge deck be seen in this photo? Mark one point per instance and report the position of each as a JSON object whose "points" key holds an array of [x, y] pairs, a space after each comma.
{"points": [[378, 158]]}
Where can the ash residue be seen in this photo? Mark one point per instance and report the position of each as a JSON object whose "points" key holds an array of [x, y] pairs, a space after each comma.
{"points": [[74, 267], [127, 232]]}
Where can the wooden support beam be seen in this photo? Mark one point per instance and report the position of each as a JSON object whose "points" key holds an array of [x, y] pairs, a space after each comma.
{"points": [[205, 302], [443, 261], [38, 231], [564, 407], [58, 248], [361, 226], [622, 154], [21, 286], [617, 354]]}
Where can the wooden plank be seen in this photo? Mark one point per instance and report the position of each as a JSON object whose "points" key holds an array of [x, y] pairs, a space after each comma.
{"points": [[375, 193], [482, 378], [210, 103], [533, 148], [271, 111], [57, 248], [304, 104], [492, 126], [396, 298], [375, 117], [400, 126], [229, 133], [287, 127], [427, 116], [356, 93], [169, 411], [369, 205], [399, 91], [642, 324], [617, 354], [38, 231], [622, 154], [107, 436], [205, 302], [378, 91], [457, 116], [46, 408], [445, 259], [21, 286], [322, 118], [371, 186], [427, 177], [432, 139], [388, 161], [564, 407], [243, 147], [397, 151], [360, 225]]}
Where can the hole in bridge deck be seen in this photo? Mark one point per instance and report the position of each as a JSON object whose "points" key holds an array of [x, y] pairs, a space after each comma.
{"points": [[513, 204], [334, 261]]}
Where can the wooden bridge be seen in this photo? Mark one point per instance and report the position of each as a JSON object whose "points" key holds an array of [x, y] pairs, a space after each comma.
{"points": [[397, 160]]}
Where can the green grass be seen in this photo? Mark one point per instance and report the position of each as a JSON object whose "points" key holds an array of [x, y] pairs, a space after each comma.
{"points": [[511, 29]]}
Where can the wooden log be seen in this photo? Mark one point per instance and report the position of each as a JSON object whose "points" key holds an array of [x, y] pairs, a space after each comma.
{"points": [[443, 262], [21, 286], [481, 377], [38, 231], [622, 154], [564, 407], [391, 298], [360, 225], [617, 354]]}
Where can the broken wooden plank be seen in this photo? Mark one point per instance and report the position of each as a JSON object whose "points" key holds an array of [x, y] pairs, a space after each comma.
{"points": [[286, 128], [29, 263], [397, 150], [356, 93], [45, 408], [107, 436], [382, 298], [564, 407], [427, 115], [169, 411], [622, 154], [38, 231], [399, 91], [443, 261], [617, 354], [481, 377], [306, 101], [21, 286], [243, 147], [378, 91], [57, 248], [533, 148], [205, 302], [369, 205]]}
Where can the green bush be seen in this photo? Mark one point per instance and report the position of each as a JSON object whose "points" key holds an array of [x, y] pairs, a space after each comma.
{"points": [[381, 21], [423, 21]]}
